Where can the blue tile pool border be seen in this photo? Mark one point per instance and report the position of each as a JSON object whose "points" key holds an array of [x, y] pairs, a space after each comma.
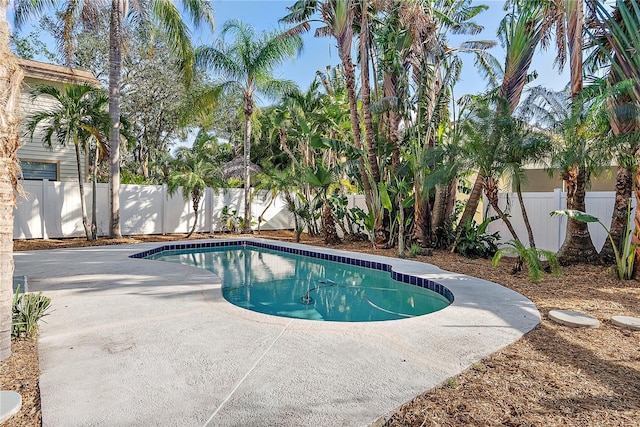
{"points": [[400, 277]]}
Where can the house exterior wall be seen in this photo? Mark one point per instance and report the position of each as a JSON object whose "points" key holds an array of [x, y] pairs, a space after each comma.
{"points": [[33, 150], [537, 180]]}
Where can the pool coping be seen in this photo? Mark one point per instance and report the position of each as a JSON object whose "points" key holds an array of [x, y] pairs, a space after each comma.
{"points": [[125, 344]]}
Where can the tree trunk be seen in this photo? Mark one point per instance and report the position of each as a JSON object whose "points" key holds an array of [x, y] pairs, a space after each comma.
{"points": [[619, 220], [329, 226], [438, 213], [195, 197], [372, 155], [525, 217], [401, 231], [345, 57], [115, 62], [491, 190], [83, 203], [470, 207], [94, 180], [10, 79], [248, 112], [577, 246], [421, 222]]}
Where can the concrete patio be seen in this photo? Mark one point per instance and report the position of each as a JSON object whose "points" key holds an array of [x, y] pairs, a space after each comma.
{"points": [[148, 343]]}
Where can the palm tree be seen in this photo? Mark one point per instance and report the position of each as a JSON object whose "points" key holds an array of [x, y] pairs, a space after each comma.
{"points": [[194, 172], [10, 80], [520, 31], [248, 63], [576, 155], [79, 116], [338, 19], [165, 14], [613, 43], [322, 179]]}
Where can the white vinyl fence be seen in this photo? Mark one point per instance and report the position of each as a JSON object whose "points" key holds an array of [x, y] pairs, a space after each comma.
{"points": [[52, 210], [549, 232]]}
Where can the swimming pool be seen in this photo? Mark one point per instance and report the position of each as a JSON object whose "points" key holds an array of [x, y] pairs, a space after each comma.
{"points": [[308, 284]]}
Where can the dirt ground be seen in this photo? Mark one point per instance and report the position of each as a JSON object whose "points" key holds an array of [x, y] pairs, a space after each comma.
{"points": [[553, 376]]}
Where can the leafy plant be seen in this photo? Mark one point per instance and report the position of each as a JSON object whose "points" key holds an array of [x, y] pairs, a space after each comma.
{"points": [[230, 220], [532, 257], [414, 250], [27, 311], [474, 242], [624, 260]]}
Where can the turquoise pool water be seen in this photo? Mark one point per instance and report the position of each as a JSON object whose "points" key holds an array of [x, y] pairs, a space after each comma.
{"points": [[291, 285]]}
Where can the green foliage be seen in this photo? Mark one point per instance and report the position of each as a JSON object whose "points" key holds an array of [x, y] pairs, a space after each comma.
{"points": [[229, 220], [474, 242], [532, 257], [625, 256], [446, 233], [27, 311], [414, 250]]}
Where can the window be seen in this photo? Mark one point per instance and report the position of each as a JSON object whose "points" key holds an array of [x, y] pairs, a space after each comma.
{"points": [[39, 170]]}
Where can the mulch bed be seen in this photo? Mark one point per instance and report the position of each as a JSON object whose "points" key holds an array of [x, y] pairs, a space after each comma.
{"points": [[553, 376]]}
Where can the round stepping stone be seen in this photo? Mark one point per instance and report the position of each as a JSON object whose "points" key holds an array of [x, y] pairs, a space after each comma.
{"points": [[10, 403], [573, 319], [626, 322]]}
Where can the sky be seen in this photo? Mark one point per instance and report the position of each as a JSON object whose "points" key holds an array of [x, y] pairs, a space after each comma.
{"points": [[317, 53]]}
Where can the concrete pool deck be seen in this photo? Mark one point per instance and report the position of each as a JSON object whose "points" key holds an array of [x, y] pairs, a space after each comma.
{"points": [[150, 343]]}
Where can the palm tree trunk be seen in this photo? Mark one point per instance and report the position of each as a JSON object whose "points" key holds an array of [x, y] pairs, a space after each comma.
{"points": [[94, 180], [329, 226], [248, 112], [401, 231], [619, 220], [10, 79], [491, 190], [525, 217], [372, 155], [438, 215], [421, 234], [83, 203], [115, 62], [575, 18], [195, 197], [470, 207], [349, 76], [577, 246]]}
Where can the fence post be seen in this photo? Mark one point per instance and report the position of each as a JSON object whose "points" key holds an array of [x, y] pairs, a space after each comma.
{"points": [[208, 210], [163, 211], [557, 195], [43, 210]]}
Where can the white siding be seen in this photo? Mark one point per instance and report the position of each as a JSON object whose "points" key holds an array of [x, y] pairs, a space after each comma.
{"points": [[34, 150]]}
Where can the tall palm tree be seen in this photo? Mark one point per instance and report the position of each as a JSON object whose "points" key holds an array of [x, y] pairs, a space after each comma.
{"points": [[338, 19], [79, 115], [248, 62], [193, 171], [163, 13], [520, 31], [613, 43], [10, 80], [435, 68], [576, 154]]}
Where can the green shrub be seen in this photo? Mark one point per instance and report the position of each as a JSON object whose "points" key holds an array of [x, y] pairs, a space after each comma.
{"points": [[532, 257], [625, 255], [474, 242], [28, 309], [414, 250]]}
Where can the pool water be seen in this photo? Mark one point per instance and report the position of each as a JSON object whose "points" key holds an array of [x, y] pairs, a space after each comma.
{"points": [[290, 285]]}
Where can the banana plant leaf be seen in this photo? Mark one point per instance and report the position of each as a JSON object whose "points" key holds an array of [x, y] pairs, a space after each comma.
{"points": [[577, 215]]}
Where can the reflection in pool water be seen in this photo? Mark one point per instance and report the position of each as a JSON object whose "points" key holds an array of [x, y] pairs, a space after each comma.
{"points": [[290, 285]]}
